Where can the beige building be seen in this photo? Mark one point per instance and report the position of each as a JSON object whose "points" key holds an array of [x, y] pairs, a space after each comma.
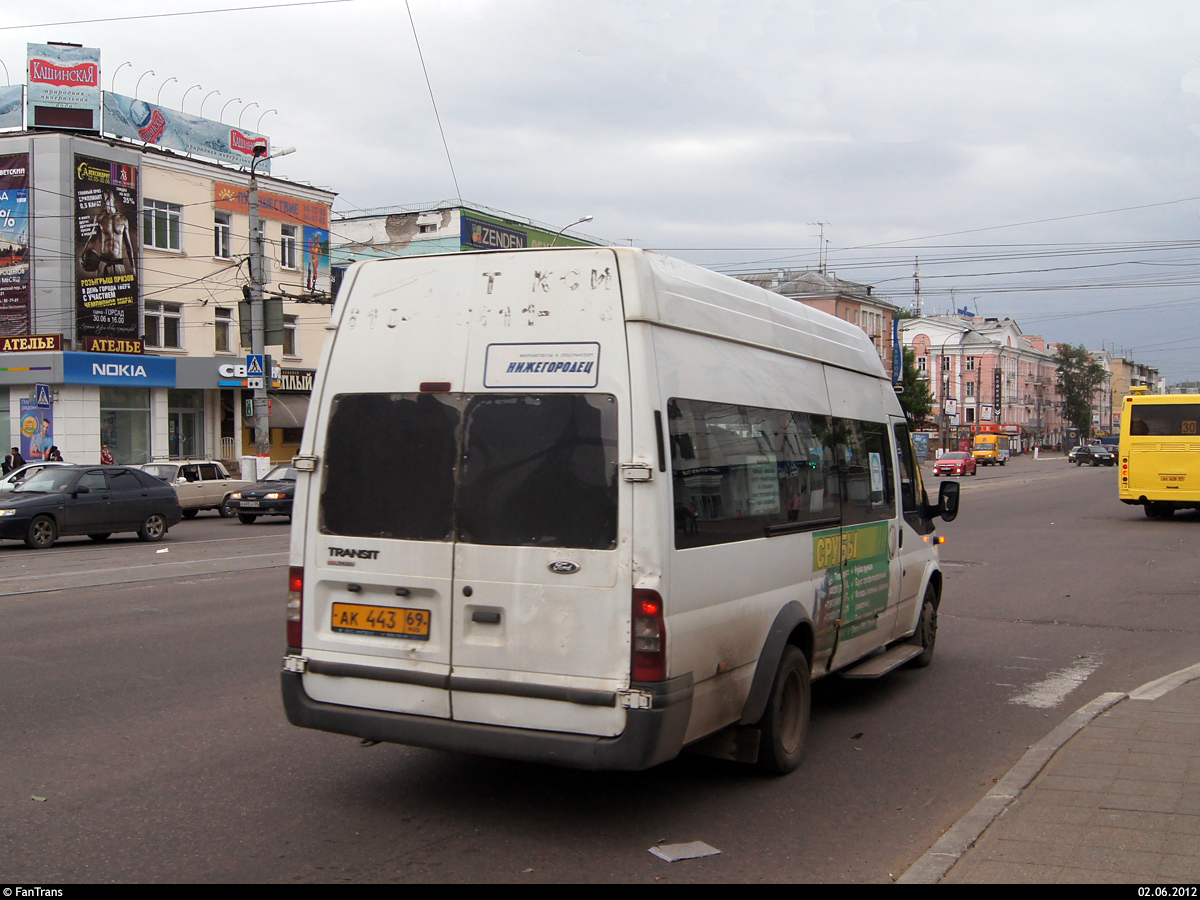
{"points": [[168, 379]]}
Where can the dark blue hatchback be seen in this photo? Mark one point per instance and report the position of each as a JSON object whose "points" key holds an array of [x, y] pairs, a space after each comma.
{"points": [[91, 500]]}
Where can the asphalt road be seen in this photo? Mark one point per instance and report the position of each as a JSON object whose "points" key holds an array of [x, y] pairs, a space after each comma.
{"points": [[143, 738]]}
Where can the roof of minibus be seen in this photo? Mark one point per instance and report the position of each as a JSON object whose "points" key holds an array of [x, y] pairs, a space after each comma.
{"points": [[677, 294], [1163, 398]]}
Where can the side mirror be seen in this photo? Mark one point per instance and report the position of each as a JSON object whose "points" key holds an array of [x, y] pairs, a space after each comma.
{"points": [[83, 489], [947, 506]]}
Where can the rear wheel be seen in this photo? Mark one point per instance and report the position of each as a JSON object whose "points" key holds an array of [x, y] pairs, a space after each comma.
{"points": [[153, 529], [246, 519], [42, 533], [785, 723], [190, 513]]}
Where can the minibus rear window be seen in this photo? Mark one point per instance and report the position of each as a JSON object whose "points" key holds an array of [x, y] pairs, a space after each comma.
{"points": [[499, 469], [1164, 419], [389, 466]]}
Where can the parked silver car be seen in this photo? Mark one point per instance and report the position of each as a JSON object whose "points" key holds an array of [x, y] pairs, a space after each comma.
{"points": [[200, 484]]}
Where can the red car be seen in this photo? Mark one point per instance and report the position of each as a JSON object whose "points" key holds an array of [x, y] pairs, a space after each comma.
{"points": [[955, 464]]}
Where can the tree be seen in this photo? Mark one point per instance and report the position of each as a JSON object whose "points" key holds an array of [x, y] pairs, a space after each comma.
{"points": [[915, 399], [1078, 377]]}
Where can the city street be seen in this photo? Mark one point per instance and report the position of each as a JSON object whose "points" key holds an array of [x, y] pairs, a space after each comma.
{"points": [[144, 740]]}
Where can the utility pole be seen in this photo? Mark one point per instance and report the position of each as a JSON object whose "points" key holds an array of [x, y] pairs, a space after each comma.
{"points": [[917, 286], [262, 426]]}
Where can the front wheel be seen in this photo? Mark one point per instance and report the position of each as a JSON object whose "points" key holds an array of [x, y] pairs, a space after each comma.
{"points": [[785, 723], [926, 634], [225, 510], [246, 519], [42, 533], [153, 529]]}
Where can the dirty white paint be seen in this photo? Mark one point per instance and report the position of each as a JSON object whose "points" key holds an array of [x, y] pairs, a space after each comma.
{"points": [[1052, 690]]}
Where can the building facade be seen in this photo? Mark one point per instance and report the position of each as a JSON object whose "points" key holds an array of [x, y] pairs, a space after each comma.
{"points": [[447, 227], [122, 299], [986, 376]]}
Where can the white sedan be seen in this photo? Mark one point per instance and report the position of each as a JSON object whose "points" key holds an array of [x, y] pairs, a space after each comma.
{"points": [[16, 476]]}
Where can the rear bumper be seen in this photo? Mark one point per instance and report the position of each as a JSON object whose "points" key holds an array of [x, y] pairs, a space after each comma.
{"points": [[651, 736]]}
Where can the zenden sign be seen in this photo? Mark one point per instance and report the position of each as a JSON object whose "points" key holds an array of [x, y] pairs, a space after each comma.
{"points": [[113, 368]]}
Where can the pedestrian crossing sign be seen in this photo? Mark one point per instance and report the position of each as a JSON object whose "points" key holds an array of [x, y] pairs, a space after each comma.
{"points": [[41, 394], [254, 366]]}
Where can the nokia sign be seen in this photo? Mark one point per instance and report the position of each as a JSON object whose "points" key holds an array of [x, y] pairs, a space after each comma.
{"points": [[114, 368]]}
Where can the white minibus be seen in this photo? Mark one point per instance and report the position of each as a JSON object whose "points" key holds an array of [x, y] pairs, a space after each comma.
{"points": [[591, 506]]}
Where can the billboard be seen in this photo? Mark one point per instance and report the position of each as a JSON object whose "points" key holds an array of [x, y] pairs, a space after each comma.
{"points": [[63, 87], [14, 244], [12, 106], [316, 256], [137, 120], [106, 239], [235, 198], [37, 430]]}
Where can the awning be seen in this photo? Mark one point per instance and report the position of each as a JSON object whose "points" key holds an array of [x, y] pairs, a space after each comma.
{"points": [[288, 410]]}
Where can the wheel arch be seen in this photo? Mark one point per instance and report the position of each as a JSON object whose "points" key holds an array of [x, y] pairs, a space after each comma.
{"points": [[792, 627]]}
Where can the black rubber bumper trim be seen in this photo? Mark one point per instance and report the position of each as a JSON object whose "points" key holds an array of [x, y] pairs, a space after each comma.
{"points": [[651, 736]]}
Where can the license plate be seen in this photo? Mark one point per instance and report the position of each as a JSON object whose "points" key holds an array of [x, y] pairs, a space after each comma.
{"points": [[1179, 478], [250, 504], [384, 621]]}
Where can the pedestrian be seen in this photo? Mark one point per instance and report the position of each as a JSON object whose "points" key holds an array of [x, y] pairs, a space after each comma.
{"points": [[106, 458], [7, 466], [17, 459], [53, 455]]}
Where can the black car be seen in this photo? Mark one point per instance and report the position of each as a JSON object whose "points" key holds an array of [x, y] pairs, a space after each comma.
{"points": [[91, 500], [272, 496], [1095, 455]]}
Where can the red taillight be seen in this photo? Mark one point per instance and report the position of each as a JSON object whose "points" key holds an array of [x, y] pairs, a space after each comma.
{"points": [[295, 605], [649, 661]]}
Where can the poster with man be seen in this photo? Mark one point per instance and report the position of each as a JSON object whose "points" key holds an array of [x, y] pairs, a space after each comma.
{"points": [[106, 243], [14, 244], [37, 431]]}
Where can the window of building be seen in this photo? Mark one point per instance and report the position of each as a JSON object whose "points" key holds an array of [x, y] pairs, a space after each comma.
{"points": [[163, 325], [161, 224], [125, 423], [426, 229], [223, 324], [921, 363], [970, 389], [222, 235], [289, 335], [970, 364], [287, 247]]}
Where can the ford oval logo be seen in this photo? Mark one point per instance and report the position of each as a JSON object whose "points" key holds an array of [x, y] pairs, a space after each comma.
{"points": [[563, 567]]}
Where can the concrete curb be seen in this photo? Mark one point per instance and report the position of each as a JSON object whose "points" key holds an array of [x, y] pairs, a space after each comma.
{"points": [[942, 856]]}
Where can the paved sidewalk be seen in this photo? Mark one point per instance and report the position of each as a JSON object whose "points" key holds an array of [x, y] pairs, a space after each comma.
{"points": [[1111, 795]]}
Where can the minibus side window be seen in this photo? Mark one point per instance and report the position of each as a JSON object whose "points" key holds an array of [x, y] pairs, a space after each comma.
{"points": [[868, 492], [741, 472]]}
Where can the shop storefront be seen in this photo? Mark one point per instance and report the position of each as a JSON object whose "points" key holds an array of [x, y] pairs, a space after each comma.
{"points": [[142, 407]]}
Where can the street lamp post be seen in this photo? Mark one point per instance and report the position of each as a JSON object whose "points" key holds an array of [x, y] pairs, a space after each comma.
{"points": [[558, 233], [262, 434]]}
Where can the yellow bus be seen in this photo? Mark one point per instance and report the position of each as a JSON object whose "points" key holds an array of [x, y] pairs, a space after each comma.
{"points": [[991, 449], [1160, 452]]}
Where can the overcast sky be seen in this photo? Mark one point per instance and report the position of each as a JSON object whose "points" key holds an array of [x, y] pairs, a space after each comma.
{"points": [[1042, 159]]}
